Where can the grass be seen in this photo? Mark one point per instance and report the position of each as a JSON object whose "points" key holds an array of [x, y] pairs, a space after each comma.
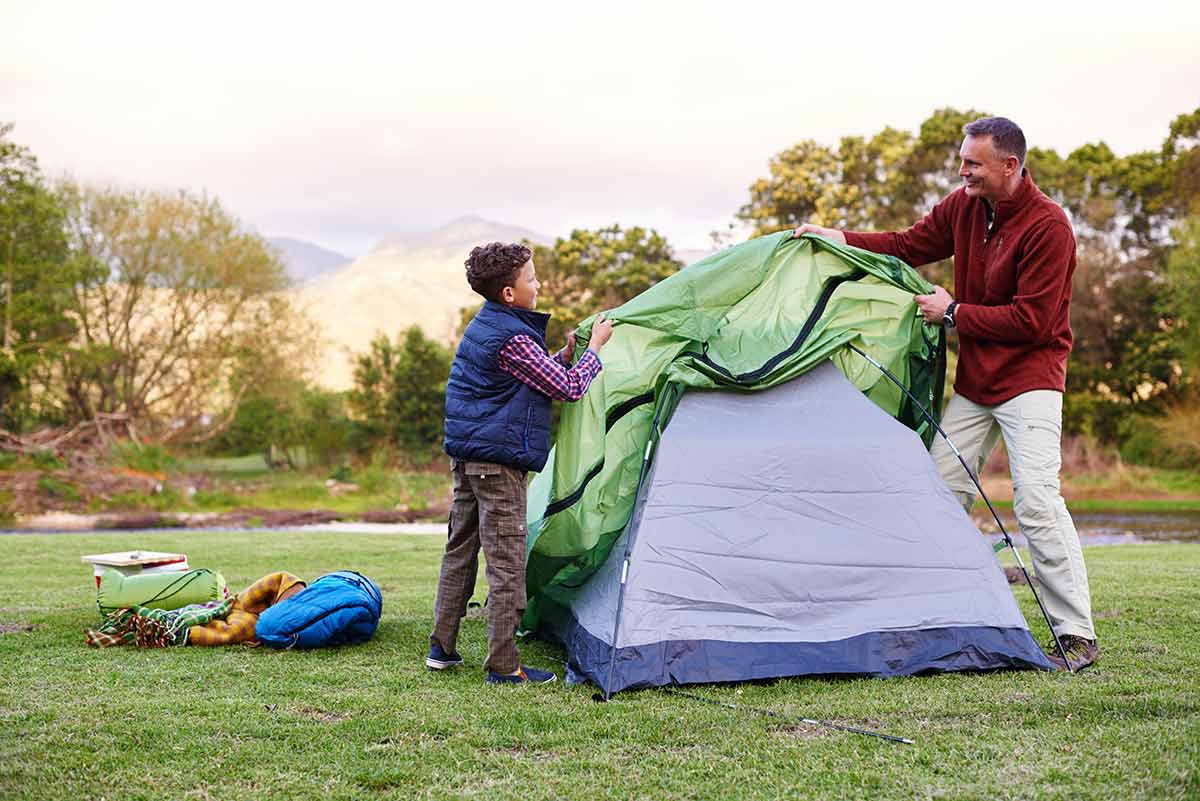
{"points": [[308, 490], [371, 722], [1106, 504]]}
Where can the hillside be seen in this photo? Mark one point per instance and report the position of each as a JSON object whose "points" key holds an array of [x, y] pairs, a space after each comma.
{"points": [[406, 279], [305, 261]]}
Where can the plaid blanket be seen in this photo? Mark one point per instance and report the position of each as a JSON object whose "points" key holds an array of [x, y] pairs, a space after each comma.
{"points": [[213, 623], [154, 628]]}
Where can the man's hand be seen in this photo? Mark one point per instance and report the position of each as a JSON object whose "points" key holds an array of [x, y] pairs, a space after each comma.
{"points": [[933, 306], [828, 233], [601, 331]]}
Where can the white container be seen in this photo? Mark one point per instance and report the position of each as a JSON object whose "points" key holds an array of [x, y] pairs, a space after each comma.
{"points": [[129, 563]]}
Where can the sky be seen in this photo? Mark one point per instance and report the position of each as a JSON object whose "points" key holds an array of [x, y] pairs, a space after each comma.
{"points": [[342, 123]]}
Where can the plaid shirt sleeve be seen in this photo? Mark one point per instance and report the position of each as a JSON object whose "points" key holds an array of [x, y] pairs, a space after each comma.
{"points": [[524, 359]]}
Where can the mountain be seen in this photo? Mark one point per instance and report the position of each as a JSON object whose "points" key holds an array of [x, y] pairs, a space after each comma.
{"points": [[406, 279], [305, 261]]}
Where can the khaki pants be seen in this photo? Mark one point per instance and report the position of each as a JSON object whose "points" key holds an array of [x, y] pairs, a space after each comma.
{"points": [[1031, 424], [489, 513]]}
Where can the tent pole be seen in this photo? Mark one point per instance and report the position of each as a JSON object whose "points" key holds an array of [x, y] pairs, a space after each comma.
{"points": [[1020, 563], [612, 658]]}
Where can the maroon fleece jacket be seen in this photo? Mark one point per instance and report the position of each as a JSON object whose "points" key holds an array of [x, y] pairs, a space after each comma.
{"points": [[1012, 281]]}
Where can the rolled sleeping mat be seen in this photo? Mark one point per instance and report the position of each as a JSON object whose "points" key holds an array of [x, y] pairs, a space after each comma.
{"points": [[159, 590]]}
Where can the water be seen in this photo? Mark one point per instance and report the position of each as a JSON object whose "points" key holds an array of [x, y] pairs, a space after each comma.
{"points": [[1095, 528], [1114, 528]]}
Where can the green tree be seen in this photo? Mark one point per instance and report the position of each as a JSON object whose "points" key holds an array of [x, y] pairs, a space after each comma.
{"points": [[592, 271], [368, 399], [595, 270], [1127, 316], [399, 393], [417, 400], [885, 182], [1181, 300], [36, 280]]}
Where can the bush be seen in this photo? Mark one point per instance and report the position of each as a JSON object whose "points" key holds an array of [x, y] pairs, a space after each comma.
{"points": [[7, 512], [1169, 441], [399, 395], [375, 478], [58, 488], [302, 420], [144, 458], [46, 460]]}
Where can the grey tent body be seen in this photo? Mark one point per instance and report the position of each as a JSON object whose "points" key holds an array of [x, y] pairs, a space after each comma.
{"points": [[793, 531]]}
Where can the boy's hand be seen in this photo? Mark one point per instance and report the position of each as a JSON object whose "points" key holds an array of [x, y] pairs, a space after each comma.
{"points": [[828, 233], [601, 331], [570, 344]]}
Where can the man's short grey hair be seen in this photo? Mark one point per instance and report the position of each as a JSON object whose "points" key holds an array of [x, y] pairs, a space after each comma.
{"points": [[1007, 137]]}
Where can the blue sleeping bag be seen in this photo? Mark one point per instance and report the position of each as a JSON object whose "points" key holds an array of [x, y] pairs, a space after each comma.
{"points": [[341, 608]]}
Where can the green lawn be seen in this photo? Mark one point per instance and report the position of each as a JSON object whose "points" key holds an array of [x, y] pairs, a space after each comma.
{"points": [[371, 722]]}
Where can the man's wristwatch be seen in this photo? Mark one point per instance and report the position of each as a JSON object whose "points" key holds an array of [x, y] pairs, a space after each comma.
{"points": [[948, 314]]}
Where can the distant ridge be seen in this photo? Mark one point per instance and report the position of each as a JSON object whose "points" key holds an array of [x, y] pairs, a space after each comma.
{"points": [[305, 261], [407, 279], [463, 232]]}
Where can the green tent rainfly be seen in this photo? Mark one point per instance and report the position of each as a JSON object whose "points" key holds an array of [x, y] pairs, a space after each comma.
{"points": [[746, 319]]}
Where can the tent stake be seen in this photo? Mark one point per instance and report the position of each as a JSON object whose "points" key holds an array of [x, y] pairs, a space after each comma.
{"points": [[1020, 563]]}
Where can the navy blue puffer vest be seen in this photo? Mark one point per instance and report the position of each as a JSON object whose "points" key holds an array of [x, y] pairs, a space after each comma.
{"points": [[490, 415]]}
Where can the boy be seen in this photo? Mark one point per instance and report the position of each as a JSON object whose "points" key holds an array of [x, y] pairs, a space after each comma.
{"points": [[498, 402]]}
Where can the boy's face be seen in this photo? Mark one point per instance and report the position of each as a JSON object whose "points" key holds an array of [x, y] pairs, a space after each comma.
{"points": [[523, 292]]}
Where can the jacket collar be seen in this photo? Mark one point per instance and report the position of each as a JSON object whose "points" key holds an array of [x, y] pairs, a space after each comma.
{"points": [[1008, 208], [534, 319]]}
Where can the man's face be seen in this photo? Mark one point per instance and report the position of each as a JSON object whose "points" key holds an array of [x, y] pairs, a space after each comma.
{"points": [[985, 172], [523, 292]]}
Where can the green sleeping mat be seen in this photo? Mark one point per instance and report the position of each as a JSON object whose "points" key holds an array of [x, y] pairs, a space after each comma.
{"points": [[159, 590]]}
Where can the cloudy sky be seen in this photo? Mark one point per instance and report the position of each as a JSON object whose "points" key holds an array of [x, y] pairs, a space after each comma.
{"points": [[340, 123]]}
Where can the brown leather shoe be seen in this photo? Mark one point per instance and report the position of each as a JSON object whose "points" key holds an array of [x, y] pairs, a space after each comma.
{"points": [[1082, 652]]}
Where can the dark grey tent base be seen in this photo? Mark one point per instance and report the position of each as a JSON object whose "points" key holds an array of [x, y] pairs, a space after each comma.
{"points": [[878, 654]]}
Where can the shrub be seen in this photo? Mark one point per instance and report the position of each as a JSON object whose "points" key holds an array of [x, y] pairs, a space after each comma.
{"points": [[58, 488], [1170, 441], [144, 458], [46, 460]]}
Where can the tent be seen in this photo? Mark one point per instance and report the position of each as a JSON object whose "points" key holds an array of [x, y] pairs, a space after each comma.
{"points": [[742, 496]]}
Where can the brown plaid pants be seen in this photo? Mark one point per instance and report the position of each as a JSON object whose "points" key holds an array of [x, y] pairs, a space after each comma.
{"points": [[488, 511]]}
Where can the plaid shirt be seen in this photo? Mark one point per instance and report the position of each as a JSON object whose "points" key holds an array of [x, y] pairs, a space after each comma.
{"points": [[554, 376]]}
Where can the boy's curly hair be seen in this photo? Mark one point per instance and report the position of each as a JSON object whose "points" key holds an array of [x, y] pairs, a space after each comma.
{"points": [[493, 266]]}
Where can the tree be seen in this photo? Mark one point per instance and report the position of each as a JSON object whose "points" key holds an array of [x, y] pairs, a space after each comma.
{"points": [[886, 182], [417, 400], [179, 310], [1131, 321], [368, 399], [36, 279], [595, 270], [1181, 301], [399, 394]]}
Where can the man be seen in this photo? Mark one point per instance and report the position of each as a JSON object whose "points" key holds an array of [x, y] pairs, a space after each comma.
{"points": [[1014, 253]]}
